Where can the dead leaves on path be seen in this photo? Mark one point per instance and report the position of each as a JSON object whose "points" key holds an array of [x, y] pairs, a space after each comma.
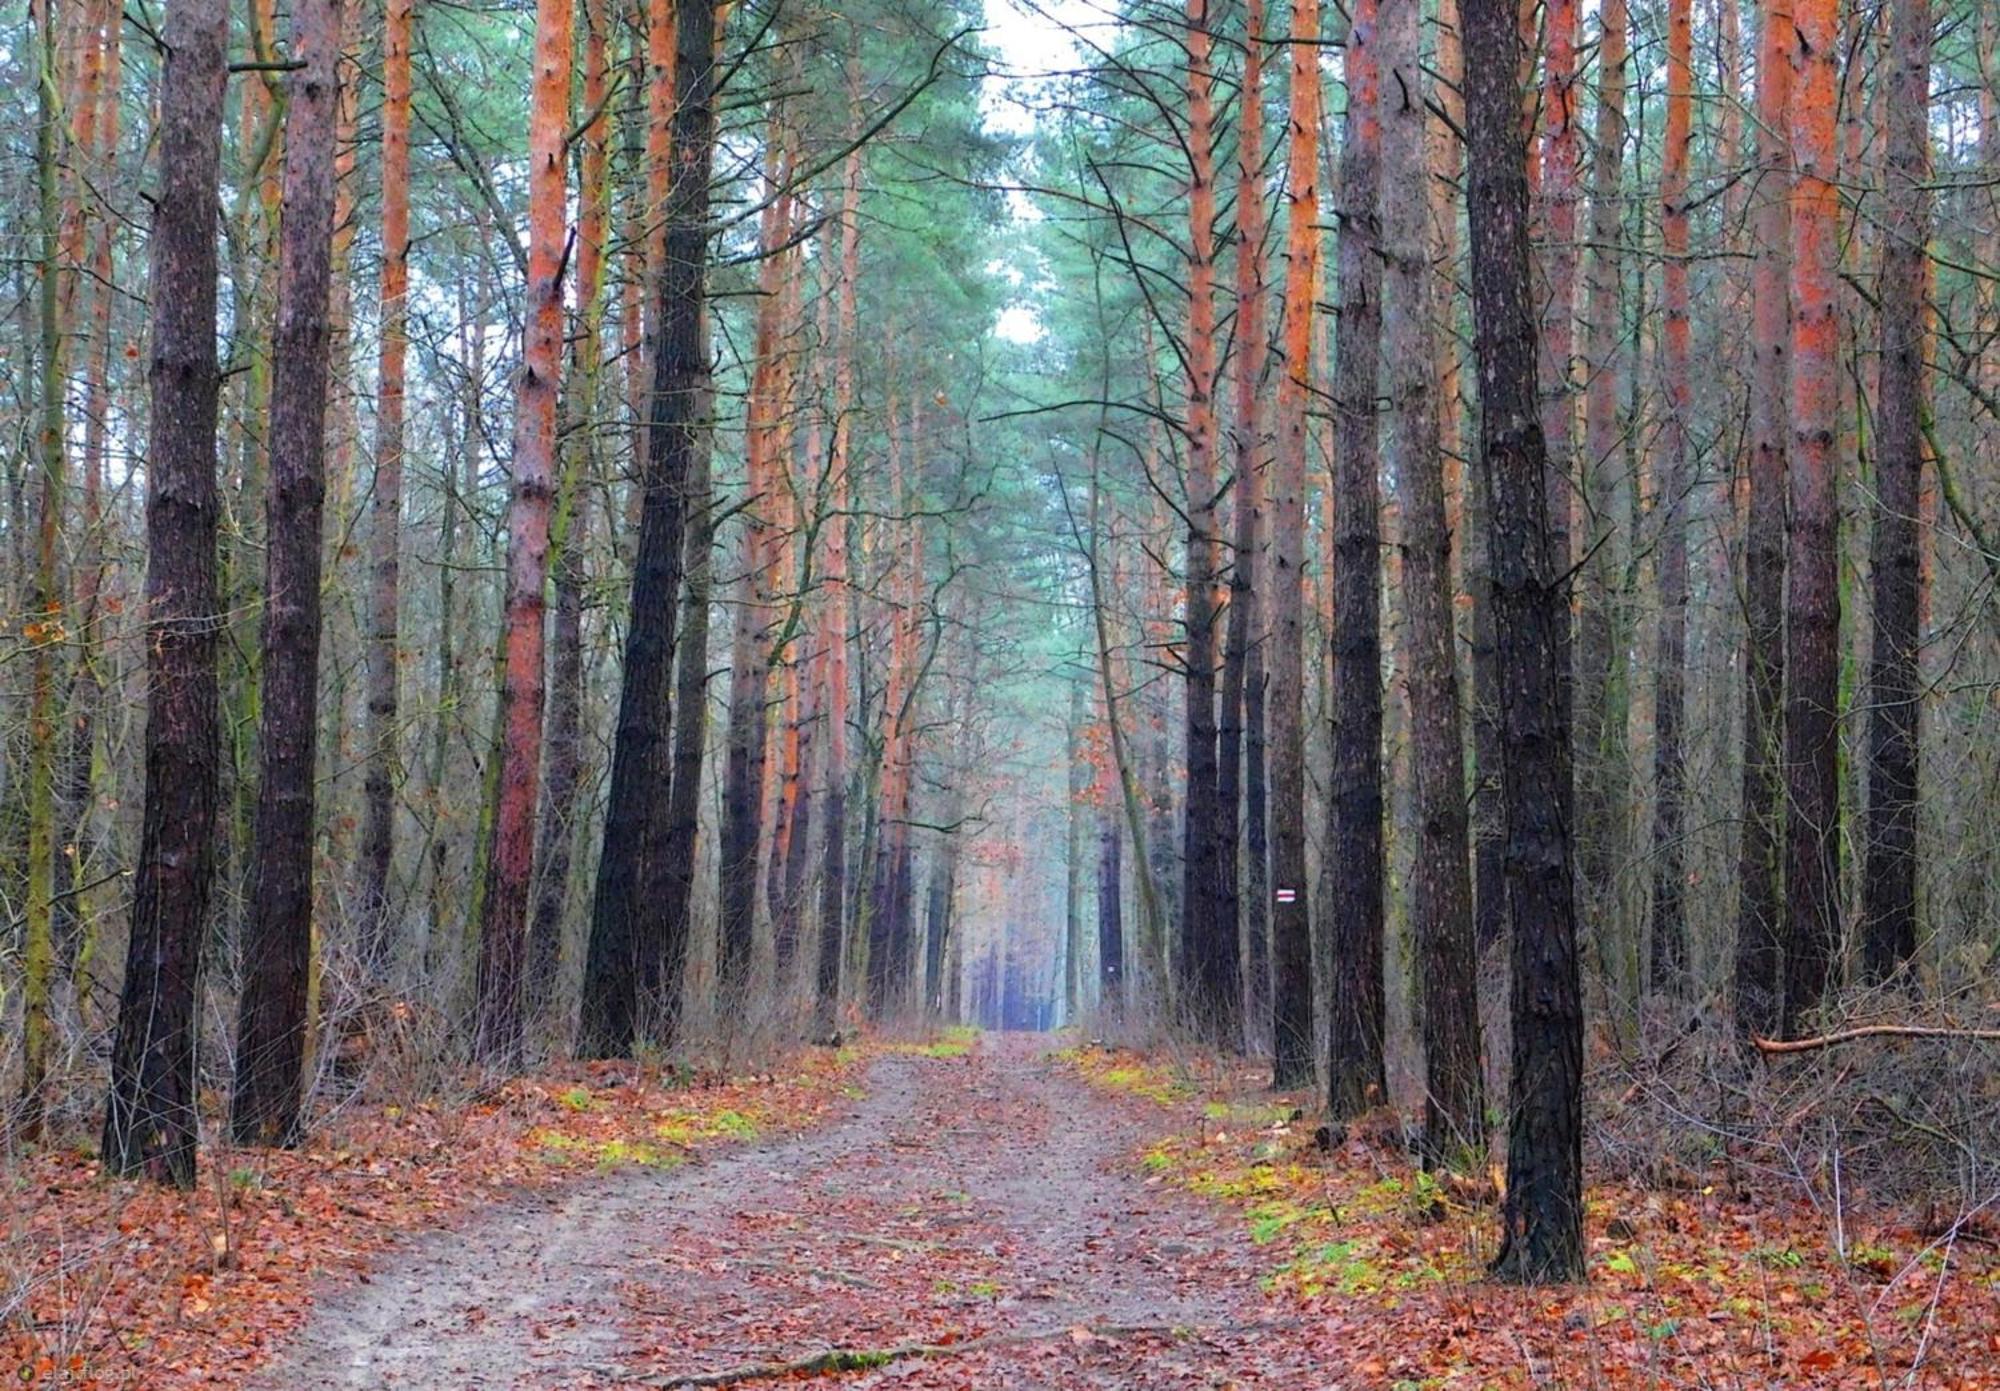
{"points": [[1689, 1288], [106, 1283]]}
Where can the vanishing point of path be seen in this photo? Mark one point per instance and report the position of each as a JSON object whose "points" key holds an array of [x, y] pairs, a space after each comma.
{"points": [[990, 1197]]}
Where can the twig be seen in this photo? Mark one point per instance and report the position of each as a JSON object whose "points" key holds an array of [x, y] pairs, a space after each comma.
{"points": [[1807, 1045]]}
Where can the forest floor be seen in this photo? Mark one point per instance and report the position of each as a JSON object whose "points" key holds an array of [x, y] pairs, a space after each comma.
{"points": [[984, 1213]]}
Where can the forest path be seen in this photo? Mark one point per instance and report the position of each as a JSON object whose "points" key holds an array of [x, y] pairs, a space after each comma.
{"points": [[991, 1196]]}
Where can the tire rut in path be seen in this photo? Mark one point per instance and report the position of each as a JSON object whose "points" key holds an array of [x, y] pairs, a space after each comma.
{"points": [[958, 1198]]}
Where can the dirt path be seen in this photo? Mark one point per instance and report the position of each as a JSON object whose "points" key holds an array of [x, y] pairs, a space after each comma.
{"points": [[960, 1198]]}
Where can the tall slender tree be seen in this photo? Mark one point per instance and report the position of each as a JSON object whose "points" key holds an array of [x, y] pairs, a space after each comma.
{"points": [[1812, 583], [1542, 1237], [150, 1120], [1353, 870], [386, 498], [1759, 952], [510, 862], [1291, 935], [278, 934], [1889, 879]]}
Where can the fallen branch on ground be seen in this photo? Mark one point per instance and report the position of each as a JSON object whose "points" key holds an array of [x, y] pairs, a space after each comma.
{"points": [[866, 1359], [1807, 1045]]}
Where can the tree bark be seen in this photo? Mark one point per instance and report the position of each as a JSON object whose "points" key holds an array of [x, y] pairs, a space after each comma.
{"points": [[1352, 870], [1447, 961], [1759, 952], [278, 935], [150, 1120], [511, 861], [1291, 935], [638, 940], [1239, 758], [385, 527], [1542, 1239], [1889, 882], [1208, 966], [1812, 593], [1667, 957]]}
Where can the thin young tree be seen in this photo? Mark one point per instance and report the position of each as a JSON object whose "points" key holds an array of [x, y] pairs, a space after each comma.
{"points": [[150, 1120], [1542, 1237], [378, 826], [1668, 950], [1291, 934], [511, 859]]}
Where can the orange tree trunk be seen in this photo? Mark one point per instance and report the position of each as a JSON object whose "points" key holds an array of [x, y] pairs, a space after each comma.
{"points": [[1812, 595], [1240, 752], [1291, 936], [511, 861]]}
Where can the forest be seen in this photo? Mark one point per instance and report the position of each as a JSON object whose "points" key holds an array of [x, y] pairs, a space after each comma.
{"points": [[1074, 693]]}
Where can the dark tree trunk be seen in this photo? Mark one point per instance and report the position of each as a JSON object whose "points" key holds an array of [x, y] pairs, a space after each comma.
{"points": [[1542, 1240], [1758, 953], [632, 933], [1889, 883], [1352, 868], [150, 1121], [277, 942], [1110, 914]]}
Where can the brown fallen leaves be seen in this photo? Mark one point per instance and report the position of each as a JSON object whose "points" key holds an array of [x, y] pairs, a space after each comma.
{"points": [[106, 1283], [1692, 1287]]}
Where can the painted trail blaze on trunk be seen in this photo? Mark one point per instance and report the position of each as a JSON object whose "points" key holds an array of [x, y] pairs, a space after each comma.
{"points": [[511, 862], [1542, 1240]]}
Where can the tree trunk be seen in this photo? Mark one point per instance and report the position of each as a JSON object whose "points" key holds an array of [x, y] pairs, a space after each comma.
{"points": [[1447, 961], [1291, 934], [385, 528], [1239, 761], [638, 940], [44, 628], [1812, 594], [277, 942], [564, 754], [1759, 953], [1352, 869], [1208, 966], [1889, 883], [1542, 1240], [150, 1120], [1600, 733], [511, 863], [1667, 958]]}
